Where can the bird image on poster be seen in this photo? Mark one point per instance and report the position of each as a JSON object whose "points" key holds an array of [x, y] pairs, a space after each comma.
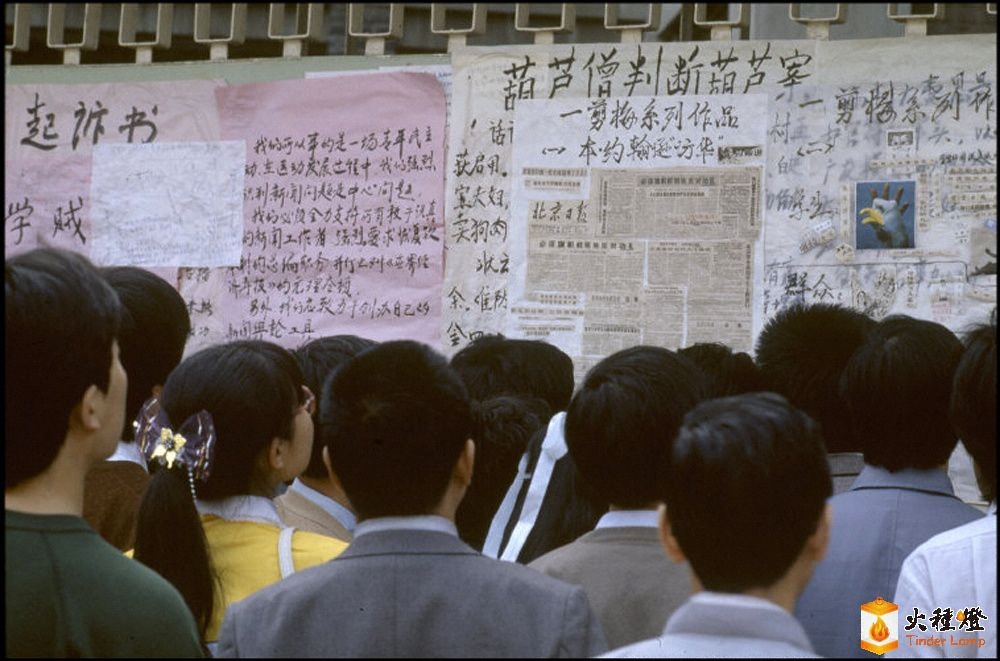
{"points": [[884, 218]]}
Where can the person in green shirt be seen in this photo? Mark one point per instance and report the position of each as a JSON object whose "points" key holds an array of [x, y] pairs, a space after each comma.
{"points": [[69, 592]]}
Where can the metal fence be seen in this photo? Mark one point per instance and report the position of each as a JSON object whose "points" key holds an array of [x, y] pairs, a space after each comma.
{"points": [[218, 27]]}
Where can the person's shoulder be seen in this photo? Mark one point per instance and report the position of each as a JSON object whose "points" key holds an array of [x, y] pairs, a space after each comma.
{"points": [[132, 579], [557, 557], [960, 536], [314, 543], [528, 580], [301, 585], [699, 645], [132, 591], [650, 648]]}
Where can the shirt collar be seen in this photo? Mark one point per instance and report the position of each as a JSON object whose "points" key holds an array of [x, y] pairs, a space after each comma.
{"points": [[725, 600], [629, 519], [432, 523], [256, 509], [129, 452], [933, 480], [845, 463], [343, 515]]}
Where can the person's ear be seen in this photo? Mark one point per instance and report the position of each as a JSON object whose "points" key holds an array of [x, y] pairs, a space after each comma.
{"points": [[89, 413], [464, 466], [330, 473], [276, 454], [667, 539], [820, 539]]}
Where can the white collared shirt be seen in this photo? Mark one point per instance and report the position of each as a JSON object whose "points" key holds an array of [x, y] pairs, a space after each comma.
{"points": [[723, 600], [430, 522], [629, 519], [954, 569], [256, 509], [129, 452], [344, 516]]}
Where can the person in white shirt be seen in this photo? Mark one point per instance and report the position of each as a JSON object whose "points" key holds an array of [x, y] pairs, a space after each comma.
{"points": [[745, 491], [955, 572]]}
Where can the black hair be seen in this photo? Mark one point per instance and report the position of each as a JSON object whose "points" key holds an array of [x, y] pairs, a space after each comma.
{"points": [[395, 420], [502, 428], [898, 388], [801, 353], [61, 324], [318, 359], [170, 540], [155, 326], [251, 388], [973, 403], [746, 487], [621, 423], [727, 372], [492, 365]]}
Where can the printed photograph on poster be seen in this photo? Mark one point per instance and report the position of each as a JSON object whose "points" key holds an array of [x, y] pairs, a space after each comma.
{"points": [[884, 214], [900, 139], [983, 260]]}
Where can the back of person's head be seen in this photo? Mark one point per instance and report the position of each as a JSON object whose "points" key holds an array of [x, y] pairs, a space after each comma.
{"points": [[493, 365], [727, 372], [897, 387], [318, 359], [746, 487], [251, 388], [253, 391], [621, 423], [395, 420], [502, 427], [155, 326], [61, 324], [974, 400], [801, 353]]}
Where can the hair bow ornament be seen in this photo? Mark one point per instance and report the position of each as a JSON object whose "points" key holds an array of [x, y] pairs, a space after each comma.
{"points": [[192, 445], [168, 446]]}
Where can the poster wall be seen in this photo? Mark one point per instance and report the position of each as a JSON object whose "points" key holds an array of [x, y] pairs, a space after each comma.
{"points": [[601, 196], [57, 136], [595, 196], [342, 213]]}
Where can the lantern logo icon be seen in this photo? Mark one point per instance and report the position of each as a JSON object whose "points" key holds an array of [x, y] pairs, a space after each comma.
{"points": [[879, 626]]}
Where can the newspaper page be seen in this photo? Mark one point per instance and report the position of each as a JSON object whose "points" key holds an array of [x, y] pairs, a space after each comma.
{"points": [[644, 212], [691, 92]]}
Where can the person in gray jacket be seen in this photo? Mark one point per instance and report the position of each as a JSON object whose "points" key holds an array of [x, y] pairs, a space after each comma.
{"points": [[745, 504], [396, 425]]}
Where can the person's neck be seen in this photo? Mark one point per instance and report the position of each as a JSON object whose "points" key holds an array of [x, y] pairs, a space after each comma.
{"points": [[56, 490], [448, 505], [780, 593], [324, 487], [784, 592], [648, 506]]}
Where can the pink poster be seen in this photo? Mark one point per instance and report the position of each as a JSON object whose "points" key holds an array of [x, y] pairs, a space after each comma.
{"points": [[343, 208], [51, 132]]}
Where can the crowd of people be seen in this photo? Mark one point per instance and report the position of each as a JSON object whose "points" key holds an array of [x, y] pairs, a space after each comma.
{"points": [[361, 499]]}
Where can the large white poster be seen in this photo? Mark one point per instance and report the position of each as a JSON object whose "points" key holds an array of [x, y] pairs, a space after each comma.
{"points": [[606, 195]]}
